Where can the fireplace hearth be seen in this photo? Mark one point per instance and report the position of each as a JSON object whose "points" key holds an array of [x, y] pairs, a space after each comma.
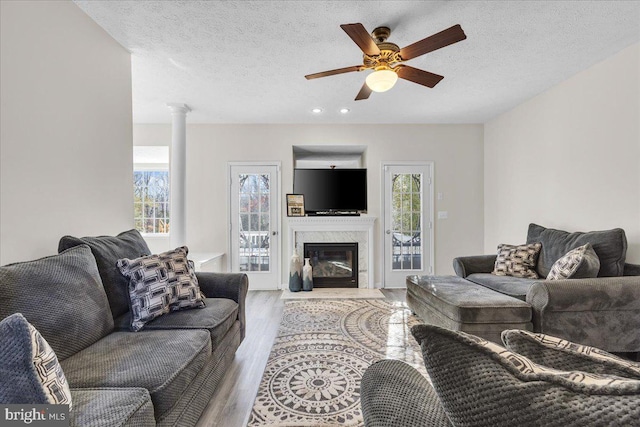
{"points": [[335, 265]]}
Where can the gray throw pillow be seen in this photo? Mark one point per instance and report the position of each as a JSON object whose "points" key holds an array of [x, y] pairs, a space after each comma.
{"points": [[609, 245], [565, 355], [159, 284], [579, 263], [62, 296], [29, 368], [482, 384], [517, 261], [107, 250]]}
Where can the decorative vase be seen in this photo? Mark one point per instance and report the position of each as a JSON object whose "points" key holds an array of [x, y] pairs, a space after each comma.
{"points": [[307, 276], [295, 273]]}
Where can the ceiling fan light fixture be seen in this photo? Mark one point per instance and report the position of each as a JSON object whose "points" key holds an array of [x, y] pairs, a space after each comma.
{"points": [[382, 80]]}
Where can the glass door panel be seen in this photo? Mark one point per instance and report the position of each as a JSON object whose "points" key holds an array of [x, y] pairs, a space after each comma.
{"points": [[406, 211], [253, 224], [407, 192]]}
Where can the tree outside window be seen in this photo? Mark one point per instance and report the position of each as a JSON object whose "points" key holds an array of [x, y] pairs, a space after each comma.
{"points": [[254, 222], [406, 215], [151, 201], [151, 189]]}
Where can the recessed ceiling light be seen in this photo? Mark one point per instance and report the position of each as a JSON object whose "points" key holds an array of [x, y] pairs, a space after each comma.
{"points": [[344, 110], [317, 110]]}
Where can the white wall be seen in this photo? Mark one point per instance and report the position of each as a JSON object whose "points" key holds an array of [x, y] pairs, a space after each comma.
{"points": [[66, 129], [457, 151], [568, 158]]}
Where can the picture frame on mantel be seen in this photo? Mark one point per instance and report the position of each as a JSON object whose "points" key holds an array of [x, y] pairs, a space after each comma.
{"points": [[295, 205]]}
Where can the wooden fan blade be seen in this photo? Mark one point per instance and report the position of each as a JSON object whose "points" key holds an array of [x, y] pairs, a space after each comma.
{"points": [[334, 72], [443, 38], [415, 75], [361, 37], [364, 93]]}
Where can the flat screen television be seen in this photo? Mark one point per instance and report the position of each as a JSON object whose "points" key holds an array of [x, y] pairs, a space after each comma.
{"points": [[332, 190]]}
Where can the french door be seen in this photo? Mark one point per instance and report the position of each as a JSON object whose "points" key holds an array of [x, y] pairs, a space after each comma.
{"points": [[255, 220], [408, 222]]}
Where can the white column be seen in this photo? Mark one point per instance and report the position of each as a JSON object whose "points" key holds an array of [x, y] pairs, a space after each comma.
{"points": [[178, 175]]}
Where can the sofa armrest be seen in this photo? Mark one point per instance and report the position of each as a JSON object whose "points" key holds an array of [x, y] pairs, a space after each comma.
{"points": [[602, 312], [466, 265], [393, 393], [631, 269], [233, 286]]}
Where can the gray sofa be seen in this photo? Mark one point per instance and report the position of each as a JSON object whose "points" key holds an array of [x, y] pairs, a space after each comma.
{"points": [[163, 375], [603, 311]]}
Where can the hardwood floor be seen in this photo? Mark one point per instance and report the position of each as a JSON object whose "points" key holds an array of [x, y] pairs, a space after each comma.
{"points": [[231, 405]]}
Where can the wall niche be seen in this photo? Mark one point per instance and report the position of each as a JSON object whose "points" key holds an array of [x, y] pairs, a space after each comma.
{"points": [[329, 156]]}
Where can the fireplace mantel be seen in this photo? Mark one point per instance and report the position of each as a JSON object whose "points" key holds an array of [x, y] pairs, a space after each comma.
{"points": [[337, 229]]}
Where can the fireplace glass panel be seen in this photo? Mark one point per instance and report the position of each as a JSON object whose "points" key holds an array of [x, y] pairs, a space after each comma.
{"points": [[334, 264]]}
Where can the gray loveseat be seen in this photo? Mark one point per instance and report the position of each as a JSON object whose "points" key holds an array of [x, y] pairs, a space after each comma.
{"points": [[602, 312], [163, 375]]}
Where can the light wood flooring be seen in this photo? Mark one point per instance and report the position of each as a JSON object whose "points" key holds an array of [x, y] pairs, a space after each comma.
{"points": [[231, 404]]}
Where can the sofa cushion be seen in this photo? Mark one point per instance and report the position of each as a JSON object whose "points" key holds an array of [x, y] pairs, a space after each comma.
{"points": [[29, 368], [516, 287], [107, 250], [61, 296], [159, 284], [217, 317], [579, 263], [609, 245], [517, 261], [163, 362], [111, 407], [565, 355], [508, 389]]}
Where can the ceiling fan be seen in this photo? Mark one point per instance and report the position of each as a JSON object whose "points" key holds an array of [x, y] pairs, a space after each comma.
{"points": [[386, 58]]}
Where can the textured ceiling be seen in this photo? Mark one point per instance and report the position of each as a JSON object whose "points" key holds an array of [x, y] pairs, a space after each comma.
{"points": [[245, 61]]}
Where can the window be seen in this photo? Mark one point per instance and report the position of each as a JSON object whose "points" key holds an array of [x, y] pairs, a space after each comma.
{"points": [[151, 189], [406, 214], [254, 222]]}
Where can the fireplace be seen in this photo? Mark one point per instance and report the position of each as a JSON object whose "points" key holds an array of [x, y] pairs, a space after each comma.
{"points": [[335, 265], [333, 229]]}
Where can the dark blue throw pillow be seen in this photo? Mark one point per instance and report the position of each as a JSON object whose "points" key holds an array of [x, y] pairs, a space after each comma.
{"points": [[29, 368]]}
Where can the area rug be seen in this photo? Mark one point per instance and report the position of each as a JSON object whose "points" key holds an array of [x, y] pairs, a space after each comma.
{"points": [[323, 347]]}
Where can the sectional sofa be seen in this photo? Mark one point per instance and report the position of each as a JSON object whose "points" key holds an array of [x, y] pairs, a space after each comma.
{"points": [[573, 285]]}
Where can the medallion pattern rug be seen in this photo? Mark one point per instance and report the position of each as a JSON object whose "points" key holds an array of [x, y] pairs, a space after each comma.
{"points": [[323, 347]]}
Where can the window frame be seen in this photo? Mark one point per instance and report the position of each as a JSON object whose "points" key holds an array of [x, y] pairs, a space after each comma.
{"points": [[153, 167]]}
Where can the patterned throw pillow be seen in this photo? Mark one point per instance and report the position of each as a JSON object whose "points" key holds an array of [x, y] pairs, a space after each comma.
{"points": [[49, 370], [510, 390], [566, 355], [579, 263], [159, 284], [29, 367], [517, 261]]}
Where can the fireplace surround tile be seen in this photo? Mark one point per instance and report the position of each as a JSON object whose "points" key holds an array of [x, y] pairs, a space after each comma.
{"points": [[337, 230]]}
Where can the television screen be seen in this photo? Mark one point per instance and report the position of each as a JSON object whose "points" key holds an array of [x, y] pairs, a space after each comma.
{"points": [[331, 189]]}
